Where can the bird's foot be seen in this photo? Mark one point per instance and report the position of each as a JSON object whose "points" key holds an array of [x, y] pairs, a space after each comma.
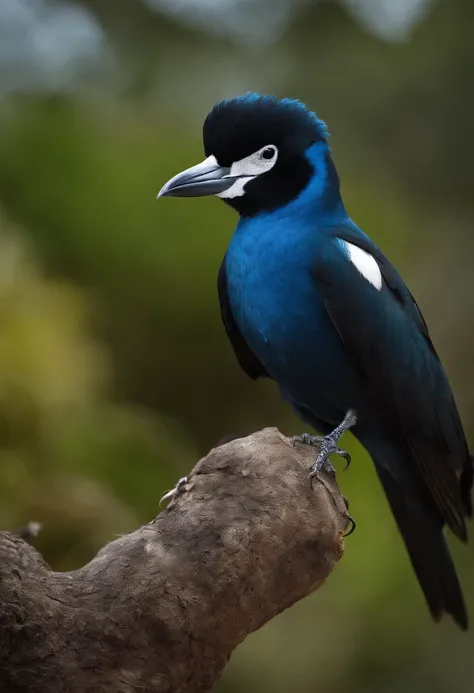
{"points": [[328, 445]]}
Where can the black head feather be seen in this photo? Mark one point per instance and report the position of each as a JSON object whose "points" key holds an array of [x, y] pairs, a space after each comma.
{"points": [[236, 128]]}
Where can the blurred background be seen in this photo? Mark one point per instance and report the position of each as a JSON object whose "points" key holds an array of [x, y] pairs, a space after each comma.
{"points": [[115, 372]]}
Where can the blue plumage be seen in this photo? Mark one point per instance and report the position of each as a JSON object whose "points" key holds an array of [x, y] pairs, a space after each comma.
{"points": [[308, 300], [277, 307]]}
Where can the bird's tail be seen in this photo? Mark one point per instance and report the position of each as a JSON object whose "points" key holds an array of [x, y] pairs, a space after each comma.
{"points": [[421, 527]]}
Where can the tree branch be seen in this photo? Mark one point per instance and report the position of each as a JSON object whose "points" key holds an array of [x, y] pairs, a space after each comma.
{"points": [[163, 608]]}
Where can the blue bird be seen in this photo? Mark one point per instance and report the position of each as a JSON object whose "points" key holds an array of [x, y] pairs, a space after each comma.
{"points": [[308, 300]]}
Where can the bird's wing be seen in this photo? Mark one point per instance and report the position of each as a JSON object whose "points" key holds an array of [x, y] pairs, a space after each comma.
{"points": [[387, 339], [245, 356]]}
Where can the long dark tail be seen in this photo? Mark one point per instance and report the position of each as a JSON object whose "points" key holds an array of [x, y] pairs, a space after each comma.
{"points": [[421, 527]]}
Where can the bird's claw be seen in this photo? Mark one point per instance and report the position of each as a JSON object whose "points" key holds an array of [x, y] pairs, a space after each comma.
{"points": [[306, 439], [345, 455], [353, 526], [317, 442], [348, 459], [328, 445], [174, 492]]}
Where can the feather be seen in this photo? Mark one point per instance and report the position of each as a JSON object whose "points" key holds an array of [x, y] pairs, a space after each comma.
{"points": [[246, 358], [387, 340]]}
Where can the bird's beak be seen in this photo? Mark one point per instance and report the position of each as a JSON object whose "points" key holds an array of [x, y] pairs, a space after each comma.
{"points": [[206, 178]]}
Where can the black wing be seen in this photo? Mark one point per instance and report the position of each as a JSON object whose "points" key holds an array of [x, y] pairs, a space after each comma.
{"points": [[245, 356], [388, 341]]}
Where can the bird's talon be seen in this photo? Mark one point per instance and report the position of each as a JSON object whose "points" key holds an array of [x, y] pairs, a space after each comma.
{"points": [[353, 525], [348, 459], [305, 439], [328, 444]]}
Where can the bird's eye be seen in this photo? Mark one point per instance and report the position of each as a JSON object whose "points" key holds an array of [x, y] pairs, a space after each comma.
{"points": [[268, 153]]}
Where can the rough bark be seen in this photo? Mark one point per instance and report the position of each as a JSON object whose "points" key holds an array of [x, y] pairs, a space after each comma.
{"points": [[163, 608]]}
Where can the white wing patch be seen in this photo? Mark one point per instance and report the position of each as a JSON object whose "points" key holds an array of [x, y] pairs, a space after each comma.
{"points": [[365, 263]]}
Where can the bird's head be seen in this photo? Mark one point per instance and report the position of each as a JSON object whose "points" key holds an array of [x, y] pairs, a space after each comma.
{"points": [[261, 153]]}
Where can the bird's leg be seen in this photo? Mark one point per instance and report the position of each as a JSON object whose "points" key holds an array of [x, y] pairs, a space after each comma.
{"points": [[328, 444]]}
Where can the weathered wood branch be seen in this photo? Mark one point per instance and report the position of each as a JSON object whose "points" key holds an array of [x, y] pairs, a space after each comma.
{"points": [[163, 608]]}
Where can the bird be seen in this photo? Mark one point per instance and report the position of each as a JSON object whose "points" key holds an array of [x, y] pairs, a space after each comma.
{"points": [[309, 301]]}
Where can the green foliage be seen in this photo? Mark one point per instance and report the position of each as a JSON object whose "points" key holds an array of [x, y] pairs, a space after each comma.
{"points": [[70, 457]]}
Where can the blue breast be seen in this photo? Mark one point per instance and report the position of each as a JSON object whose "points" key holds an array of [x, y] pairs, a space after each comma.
{"points": [[276, 305]]}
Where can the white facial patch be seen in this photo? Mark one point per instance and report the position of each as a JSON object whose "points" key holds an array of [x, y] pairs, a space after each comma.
{"points": [[237, 189], [364, 262], [249, 168]]}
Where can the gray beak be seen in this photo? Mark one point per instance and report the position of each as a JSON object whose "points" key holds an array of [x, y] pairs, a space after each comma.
{"points": [[206, 178]]}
